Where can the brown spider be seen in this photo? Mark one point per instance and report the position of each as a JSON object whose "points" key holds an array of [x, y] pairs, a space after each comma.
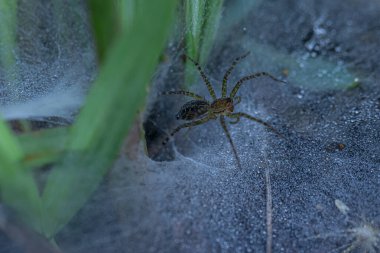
{"points": [[200, 110]]}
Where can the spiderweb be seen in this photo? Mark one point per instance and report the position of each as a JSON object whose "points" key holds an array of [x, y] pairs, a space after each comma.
{"points": [[189, 196], [54, 61], [199, 201]]}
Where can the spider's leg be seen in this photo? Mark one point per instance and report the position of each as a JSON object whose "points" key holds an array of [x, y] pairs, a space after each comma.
{"points": [[223, 123], [185, 125], [204, 77], [183, 92], [247, 116], [246, 78], [228, 72]]}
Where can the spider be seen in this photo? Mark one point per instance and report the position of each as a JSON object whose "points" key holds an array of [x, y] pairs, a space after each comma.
{"points": [[200, 110]]}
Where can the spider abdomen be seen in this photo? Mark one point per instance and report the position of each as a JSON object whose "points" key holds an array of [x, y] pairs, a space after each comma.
{"points": [[193, 109]]}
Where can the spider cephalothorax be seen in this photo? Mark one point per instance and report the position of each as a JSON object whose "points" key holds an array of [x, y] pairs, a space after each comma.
{"points": [[199, 110], [222, 106]]}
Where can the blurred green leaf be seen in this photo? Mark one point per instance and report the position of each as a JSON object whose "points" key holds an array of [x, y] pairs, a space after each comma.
{"points": [[9, 147], [18, 188], [44, 146], [106, 24], [109, 112], [128, 10]]}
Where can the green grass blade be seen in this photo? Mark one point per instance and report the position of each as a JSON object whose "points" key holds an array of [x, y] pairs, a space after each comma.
{"points": [[202, 22], [44, 146], [106, 24], [9, 147], [109, 112], [213, 15], [128, 10], [18, 188], [195, 20]]}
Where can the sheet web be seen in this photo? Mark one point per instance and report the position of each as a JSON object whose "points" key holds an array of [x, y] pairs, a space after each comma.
{"points": [[189, 196], [54, 61]]}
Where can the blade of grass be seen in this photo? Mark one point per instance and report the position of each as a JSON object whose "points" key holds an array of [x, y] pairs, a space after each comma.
{"points": [[44, 146], [107, 28], [18, 188], [97, 136], [9, 148], [202, 21], [128, 9], [210, 28], [195, 19]]}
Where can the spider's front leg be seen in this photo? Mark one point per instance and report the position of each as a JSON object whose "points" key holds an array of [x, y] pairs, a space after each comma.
{"points": [[228, 72], [237, 116], [204, 77], [186, 125], [250, 77]]}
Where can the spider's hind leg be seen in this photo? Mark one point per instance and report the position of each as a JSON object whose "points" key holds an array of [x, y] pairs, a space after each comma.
{"points": [[186, 125], [247, 116]]}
